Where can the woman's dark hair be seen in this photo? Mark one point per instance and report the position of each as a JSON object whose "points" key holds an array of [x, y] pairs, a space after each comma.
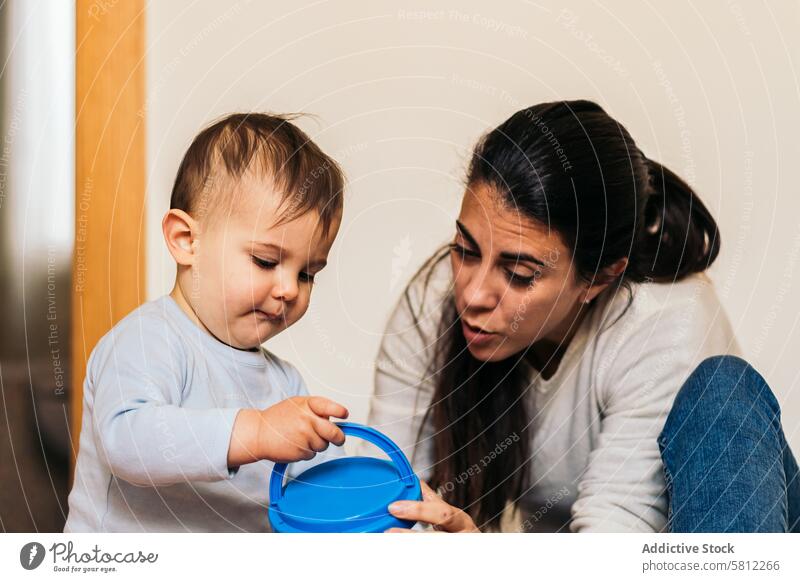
{"points": [[572, 167]]}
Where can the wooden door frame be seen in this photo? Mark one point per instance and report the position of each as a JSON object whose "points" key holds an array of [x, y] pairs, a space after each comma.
{"points": [[108, 259]]}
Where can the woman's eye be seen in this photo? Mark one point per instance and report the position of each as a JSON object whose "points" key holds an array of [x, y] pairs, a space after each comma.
{"points": [[522, 280], [306, 278], [463, 253], [264, 264]]}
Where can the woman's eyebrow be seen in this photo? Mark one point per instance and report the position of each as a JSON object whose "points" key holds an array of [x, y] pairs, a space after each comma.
{"points": [[466, 234], [518, 257], [508, 256]]}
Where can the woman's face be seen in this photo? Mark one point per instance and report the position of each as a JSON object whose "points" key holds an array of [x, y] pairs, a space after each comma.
{"points": [[514, 279]]}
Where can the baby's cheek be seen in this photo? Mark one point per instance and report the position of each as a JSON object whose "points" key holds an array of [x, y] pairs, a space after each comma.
{"points": [[243, 281], [240, 298], [229, 295]]}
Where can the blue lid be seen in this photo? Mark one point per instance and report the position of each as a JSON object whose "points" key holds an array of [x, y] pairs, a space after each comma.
{"points": [[348, 494]]}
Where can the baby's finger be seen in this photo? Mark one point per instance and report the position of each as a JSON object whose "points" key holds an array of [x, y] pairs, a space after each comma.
{"points": [[305, 454], [329, 431], [326, 408], [316, 443]]}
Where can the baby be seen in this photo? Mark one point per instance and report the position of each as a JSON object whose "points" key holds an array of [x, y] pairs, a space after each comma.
{"points": [[184, 413]]}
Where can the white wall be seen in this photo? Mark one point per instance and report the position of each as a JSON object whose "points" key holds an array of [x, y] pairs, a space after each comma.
{"points": [[401, 94]]}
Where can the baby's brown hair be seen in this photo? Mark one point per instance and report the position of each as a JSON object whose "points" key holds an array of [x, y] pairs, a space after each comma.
{"points": [[275, 149]]}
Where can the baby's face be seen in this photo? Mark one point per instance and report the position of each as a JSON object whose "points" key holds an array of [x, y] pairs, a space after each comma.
{"points": [[252, 279]]}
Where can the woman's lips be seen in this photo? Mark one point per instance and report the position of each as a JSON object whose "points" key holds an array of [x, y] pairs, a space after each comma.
{"points": [[476, 336]]}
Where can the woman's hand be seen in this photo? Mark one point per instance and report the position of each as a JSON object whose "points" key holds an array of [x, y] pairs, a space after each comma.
{"points": [[433, 510]]}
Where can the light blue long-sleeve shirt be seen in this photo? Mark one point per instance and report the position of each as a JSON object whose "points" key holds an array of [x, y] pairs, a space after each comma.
{"points": [[160, 399]]}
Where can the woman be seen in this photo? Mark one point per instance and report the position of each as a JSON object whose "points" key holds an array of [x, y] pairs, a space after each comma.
{"points": [[534, 363]]}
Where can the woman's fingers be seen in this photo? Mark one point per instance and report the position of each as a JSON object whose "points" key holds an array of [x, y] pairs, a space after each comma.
{"points": [[438, 513], [434, 510], [428, 494]]}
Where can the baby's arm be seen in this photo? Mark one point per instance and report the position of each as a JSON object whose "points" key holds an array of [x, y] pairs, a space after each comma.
{"points": [[146, 438], [134, 387]]}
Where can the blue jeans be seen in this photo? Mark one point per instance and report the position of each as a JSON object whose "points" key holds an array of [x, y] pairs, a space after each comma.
{"points": [[726, 462]]}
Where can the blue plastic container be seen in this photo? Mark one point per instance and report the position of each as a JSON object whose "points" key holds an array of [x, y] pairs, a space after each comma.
{"points": [[348, 494]]}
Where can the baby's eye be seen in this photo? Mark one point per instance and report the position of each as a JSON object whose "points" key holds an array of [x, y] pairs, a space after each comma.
{"points": [[264, 264]]}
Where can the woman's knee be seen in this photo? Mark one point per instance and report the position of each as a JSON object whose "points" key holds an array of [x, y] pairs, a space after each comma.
{"points": [[720, 385]]}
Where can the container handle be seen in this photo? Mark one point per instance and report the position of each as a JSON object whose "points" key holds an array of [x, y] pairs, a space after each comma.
{"points": [[357, 430]]}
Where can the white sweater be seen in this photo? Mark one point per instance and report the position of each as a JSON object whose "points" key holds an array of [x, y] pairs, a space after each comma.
{"points": [[596, 465]]}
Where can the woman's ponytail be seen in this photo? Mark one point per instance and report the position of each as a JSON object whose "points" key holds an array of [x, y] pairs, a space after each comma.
{"points": [[678, 236]]}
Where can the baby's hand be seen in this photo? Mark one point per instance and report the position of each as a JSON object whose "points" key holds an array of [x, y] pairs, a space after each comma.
{"points": [[295, 429], [298, 428]]}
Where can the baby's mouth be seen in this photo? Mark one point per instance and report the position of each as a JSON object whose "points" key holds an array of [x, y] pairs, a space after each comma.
{"points": [[271, 317]]}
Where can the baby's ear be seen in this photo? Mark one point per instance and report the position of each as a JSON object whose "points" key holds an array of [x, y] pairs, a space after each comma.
{"points": [[179, 231]]}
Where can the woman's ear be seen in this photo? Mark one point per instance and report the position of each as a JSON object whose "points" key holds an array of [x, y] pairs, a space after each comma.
{"points": [[609, 275], [180, 232]]}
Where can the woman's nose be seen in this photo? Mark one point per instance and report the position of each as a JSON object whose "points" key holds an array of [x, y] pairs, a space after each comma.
{"points": [[478, 294]]}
